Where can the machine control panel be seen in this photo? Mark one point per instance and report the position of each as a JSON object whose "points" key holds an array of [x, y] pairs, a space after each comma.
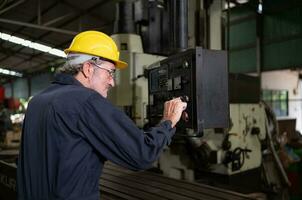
{"points": [[200, 76]]}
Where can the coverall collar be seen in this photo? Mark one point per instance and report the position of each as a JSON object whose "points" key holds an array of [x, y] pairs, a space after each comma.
{"points": [[66, 79]]}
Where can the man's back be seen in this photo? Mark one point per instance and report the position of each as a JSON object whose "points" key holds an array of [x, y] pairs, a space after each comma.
{"points": [[55, 159]]}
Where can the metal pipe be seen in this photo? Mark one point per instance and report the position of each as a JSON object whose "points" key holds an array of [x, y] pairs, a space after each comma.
{"points": [[182, 29], [198, 25], [39, 13], [124, 19], [259, 46], [8, 21], [179, 25], [228, 34], [271, 144]]}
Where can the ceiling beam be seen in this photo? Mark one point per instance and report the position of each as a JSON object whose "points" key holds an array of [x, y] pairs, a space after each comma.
{"points": [[11, 6], [70, 20], [77, 16], [84, 11], [46, 28], [50, 22]]}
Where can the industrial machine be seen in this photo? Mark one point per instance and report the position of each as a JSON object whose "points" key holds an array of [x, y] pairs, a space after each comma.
{"points": [[224, 136], [131, 91], [226, 152]]}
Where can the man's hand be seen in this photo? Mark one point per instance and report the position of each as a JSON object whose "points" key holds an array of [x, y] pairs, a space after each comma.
{"points": [[173, 110]]}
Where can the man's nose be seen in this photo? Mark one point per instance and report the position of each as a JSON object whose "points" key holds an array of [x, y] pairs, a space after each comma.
{"points": [[112, 82]]}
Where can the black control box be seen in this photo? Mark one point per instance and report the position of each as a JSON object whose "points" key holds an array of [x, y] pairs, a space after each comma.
{"points": [[199, 74]]}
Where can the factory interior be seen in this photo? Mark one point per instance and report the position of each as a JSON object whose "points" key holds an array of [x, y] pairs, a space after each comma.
{"points": [[236, 63]]}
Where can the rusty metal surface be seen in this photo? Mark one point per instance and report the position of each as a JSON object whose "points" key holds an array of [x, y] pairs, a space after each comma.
{"points": [[119, 183]]}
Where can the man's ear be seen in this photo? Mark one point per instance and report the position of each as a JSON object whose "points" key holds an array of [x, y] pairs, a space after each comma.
{"points": [[87, 70]]}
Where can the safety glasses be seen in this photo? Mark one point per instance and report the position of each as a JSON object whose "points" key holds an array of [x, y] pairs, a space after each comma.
{"points": [[111, 72]]}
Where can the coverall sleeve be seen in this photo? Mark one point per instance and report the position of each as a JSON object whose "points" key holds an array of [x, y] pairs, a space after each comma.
{"points": [[117, 138]]}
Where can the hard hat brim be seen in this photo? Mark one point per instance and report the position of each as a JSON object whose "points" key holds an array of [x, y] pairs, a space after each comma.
{"points": [[118, 63]]}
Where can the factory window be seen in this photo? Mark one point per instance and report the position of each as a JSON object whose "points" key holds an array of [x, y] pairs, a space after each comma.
{"points": [[277, 100]]}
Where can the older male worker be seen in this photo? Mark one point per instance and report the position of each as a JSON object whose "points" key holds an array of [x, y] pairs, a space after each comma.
{"points": [[71, 129]]}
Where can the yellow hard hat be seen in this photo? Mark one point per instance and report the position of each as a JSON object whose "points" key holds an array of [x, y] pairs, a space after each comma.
{"points": [[97, 44]]}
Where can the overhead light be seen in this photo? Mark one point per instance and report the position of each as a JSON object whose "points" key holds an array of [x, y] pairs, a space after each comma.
{"points": [[230, 3], [260, 8], [32, 45], [10, 72], [242, 1]]}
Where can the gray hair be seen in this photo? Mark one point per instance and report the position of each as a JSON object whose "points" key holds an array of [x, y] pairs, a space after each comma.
{"points": [[74, 63], [72, 69]]}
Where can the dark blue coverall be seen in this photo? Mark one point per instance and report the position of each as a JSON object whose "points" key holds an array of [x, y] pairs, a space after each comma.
{"points": [[69, 132]]}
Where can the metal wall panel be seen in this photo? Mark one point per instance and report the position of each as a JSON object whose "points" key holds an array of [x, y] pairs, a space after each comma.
{"points": [[282, 39], [40, 82], [243, 61], [281, 29], [8, 90], [283, 55], [242, 40], [20, 88]]}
